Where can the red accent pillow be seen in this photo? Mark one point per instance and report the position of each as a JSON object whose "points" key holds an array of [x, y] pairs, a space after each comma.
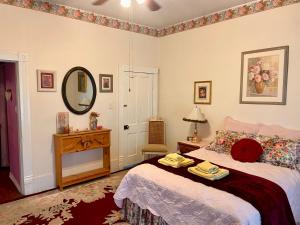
{"points": [[246, 150]]}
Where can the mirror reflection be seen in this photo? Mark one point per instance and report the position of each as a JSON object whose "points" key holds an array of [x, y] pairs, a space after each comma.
{"points": [[79, 90]]}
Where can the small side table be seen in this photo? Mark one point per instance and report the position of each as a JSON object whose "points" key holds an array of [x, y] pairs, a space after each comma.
{"points": [[78, 142], [188, 146]]}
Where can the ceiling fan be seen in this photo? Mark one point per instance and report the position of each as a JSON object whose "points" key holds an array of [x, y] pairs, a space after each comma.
{"points": [[151, 4]]}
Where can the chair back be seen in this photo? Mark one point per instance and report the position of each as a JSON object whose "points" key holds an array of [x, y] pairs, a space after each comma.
{"points": [[156, 132]]}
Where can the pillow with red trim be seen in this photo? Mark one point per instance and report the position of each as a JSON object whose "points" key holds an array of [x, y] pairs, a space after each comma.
{"points": [[246, 150]]}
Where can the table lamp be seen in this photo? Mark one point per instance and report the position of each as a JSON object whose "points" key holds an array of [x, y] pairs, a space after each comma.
{"points": [[196, 116]]}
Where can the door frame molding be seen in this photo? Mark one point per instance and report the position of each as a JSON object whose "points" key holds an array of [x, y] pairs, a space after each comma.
{"points": [[134, 69], [25, 144]]}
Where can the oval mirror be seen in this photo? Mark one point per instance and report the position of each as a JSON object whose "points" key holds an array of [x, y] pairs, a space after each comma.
{"points": [[79, 90]]}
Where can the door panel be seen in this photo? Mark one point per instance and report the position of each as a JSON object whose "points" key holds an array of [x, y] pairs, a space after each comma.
{"points": [[144, 98], [136, 102]]}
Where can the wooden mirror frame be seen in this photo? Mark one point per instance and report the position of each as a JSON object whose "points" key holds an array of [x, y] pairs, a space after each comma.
{"points": [[64, 95]]}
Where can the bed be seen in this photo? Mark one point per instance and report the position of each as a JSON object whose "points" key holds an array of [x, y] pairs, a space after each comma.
{"points": [[175, 200]]}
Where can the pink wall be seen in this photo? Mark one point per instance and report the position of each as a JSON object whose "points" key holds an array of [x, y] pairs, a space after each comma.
{"points": [[3, 133], [12, 120]]}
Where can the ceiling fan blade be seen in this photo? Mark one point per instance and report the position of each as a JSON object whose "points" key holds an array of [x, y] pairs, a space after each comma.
{"points": [[152, 5], [99, 2]]}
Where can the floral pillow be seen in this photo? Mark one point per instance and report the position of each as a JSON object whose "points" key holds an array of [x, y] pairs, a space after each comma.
{"points": [[280, 151], [225, 139]]}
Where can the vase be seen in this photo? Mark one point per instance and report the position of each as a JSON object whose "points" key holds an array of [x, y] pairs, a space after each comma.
{"points": [[93, 124], [259, 87]]}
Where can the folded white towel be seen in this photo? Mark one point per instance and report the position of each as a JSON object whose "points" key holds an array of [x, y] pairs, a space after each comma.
{"points": [[207, 167], [176, 164], [174, 157]]}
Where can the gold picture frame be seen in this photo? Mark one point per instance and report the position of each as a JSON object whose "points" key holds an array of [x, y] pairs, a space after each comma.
{"points": [[202, 92], [264, 75]]}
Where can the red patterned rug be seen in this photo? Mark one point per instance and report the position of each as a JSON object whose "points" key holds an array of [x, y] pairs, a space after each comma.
{"points": [[88, 204]]}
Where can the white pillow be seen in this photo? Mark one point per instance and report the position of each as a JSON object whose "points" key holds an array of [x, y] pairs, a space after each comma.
{"points": [[271, 130], [238, 126]]}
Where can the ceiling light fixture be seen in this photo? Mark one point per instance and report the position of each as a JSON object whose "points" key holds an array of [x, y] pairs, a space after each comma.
{"points": [[140, 1], [126, 3]]}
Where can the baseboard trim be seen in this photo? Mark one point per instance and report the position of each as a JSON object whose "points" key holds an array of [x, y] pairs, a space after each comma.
{"points": [[36, 184], [114, 165], [16, 183]]}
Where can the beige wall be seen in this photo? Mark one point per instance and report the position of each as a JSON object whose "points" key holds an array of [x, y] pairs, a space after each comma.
{"points": [[208, 53], [214, 53], [58, 43]]}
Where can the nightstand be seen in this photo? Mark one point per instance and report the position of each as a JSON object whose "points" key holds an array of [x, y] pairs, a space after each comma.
{"points": [[188, 146]]}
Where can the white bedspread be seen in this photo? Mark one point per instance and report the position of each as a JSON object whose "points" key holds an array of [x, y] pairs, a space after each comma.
{"points": [[181, 201]]}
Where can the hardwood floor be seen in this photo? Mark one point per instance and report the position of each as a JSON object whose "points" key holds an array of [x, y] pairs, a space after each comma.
{"points": [[8, 191]]}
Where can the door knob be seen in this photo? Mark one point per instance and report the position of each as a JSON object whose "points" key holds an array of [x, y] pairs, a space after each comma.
{"points": [[126, 127]]}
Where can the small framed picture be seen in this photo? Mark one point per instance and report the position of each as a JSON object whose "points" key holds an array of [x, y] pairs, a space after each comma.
{"points": [[82, 82], [46, 81], [106, 83], [202, 92], [264, 76]]}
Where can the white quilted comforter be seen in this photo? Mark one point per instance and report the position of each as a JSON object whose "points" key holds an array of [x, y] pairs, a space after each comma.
{"points": [[181, 201]]}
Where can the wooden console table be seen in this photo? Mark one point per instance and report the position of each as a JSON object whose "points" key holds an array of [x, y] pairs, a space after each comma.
{"points": [[78, 142]]}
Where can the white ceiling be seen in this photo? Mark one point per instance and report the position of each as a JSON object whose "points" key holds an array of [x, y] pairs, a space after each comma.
{"points": [[172, 11]]}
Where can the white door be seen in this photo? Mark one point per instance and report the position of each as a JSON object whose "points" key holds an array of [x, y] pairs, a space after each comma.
{"points": [[138, 103]]}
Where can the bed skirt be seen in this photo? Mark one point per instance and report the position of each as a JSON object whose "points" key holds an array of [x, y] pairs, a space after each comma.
{"points": [[134, 215]]}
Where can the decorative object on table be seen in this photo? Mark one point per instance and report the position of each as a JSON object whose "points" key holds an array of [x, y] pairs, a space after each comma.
{"points": [[264, 76], [196, 116], [62, 123], [8, 95], [189, 138], [156, 139], [46, 81], [82, 82], [106, 83], [202, 92], [93, 120]]}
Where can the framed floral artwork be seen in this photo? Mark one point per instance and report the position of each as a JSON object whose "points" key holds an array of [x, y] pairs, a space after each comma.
{"points": [[46, 81], [202, 92], [106, 83], [264, 75]]}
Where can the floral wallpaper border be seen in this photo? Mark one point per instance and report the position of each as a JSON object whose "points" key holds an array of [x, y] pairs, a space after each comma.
{"points": [[82, 15], [235, 12]]}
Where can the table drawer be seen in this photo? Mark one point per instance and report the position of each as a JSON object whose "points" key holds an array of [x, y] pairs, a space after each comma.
{"points": [[84, 142]]}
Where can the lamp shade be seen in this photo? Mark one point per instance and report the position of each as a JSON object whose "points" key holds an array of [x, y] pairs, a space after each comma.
{"points": [[196, 116]]}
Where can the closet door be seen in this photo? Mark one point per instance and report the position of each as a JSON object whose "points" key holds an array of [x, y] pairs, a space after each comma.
{"points": [[138, 104]]}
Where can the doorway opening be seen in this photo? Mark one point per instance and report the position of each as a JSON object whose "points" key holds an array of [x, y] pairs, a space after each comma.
{"points": [[10, 175]]}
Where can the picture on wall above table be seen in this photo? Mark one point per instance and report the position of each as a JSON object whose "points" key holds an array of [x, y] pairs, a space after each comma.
{"points": [[46, 80], [264, 76], [106, 82], [202, 92]]}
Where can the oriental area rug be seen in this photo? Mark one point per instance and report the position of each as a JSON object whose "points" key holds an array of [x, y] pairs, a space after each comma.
{"points": [[86, 204]]}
